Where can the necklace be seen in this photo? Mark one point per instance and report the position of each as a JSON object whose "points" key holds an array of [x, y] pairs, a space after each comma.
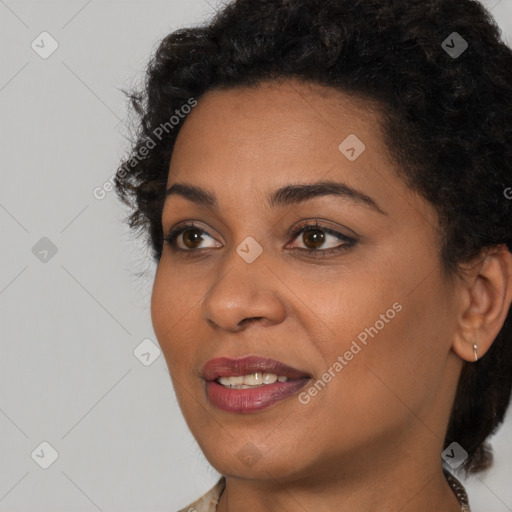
{"points": [[458, 490]]}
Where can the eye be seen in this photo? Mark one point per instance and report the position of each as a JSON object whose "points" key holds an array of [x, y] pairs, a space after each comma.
{"points": [[189, 237], [321, 239], [316, 240]]}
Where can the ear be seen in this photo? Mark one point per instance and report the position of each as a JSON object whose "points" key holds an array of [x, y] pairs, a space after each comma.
{"points": [[486, 295]]}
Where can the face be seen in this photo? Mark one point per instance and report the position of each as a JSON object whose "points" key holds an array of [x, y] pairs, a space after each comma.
{"points": [[302, 246]]}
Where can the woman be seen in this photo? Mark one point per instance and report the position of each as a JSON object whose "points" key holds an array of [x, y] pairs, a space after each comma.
{"points": [[324, 187]]}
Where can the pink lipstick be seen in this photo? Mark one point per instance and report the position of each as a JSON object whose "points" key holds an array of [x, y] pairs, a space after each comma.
{"points": [[251, 383]]}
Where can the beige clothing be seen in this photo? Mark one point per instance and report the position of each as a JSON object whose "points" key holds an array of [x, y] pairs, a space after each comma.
{"points": [[208, 502]]}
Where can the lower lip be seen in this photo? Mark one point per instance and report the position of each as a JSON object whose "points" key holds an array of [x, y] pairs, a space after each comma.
{"points": [[251, 400]]}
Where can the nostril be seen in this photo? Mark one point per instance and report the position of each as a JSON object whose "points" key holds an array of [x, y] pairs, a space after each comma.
{"points": [[246, 320]]}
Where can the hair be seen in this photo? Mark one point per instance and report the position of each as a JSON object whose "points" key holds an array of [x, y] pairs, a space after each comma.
{"points": [[446, 120]]}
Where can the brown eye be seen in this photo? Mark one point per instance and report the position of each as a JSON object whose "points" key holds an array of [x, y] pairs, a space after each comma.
{"points": [[192, 238], [313, 238], [317, 240]]}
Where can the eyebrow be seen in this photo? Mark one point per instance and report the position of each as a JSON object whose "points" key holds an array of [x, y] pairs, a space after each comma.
{"points": [[284, 196]]}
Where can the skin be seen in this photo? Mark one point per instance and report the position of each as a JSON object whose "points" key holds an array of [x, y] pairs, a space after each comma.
{"points": [[372, 438]]}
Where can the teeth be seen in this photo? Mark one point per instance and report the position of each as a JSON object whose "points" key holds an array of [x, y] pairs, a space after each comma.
{"points": [[252, 380], [270, 378]]}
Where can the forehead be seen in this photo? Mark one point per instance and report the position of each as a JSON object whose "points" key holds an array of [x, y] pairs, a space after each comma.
{"points": [[276, 129], [241, 145], [297, 106]]}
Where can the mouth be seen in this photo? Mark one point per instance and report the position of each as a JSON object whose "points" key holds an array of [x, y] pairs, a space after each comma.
{"points": [[250, 384]]}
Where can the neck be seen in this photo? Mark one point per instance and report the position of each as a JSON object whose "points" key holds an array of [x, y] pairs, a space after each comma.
{"points": [[379, 488]]}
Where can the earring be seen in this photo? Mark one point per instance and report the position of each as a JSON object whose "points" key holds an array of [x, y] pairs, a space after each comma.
{"points": [[475, 349]]}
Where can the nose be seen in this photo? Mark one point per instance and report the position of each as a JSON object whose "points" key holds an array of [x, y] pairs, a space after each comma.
{"points": [[247, 293]]}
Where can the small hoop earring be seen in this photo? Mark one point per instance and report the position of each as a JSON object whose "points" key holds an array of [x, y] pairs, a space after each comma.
{"points": [[475, 351]]}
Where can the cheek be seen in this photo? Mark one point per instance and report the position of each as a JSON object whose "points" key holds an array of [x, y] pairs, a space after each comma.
{"points": [[401, 364], [386, 381], [393, 335], [171, 308], [161, 300]]}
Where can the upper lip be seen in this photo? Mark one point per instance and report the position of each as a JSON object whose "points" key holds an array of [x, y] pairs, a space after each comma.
{"points": [[226, 367]]}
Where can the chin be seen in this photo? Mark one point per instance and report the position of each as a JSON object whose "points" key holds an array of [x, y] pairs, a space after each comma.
{"points": [[255, 461]]}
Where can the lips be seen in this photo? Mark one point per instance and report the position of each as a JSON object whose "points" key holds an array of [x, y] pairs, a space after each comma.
{"points": [[250, 400], [225, 367]]}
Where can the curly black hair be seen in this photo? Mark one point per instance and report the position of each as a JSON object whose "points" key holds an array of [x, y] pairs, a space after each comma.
{"points": [[446, 117]]}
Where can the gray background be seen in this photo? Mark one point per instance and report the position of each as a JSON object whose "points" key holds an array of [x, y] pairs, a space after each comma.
{"points": [[72, 320]]}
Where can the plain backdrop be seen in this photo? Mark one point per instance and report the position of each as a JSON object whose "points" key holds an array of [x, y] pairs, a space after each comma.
{"points": [[83, 389]]}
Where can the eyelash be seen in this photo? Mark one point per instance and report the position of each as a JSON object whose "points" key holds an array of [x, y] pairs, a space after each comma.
{"points": [[306, 226]]}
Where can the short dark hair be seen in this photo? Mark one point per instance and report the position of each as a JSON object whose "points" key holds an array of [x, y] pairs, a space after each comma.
{"points": [[446, 118]]}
